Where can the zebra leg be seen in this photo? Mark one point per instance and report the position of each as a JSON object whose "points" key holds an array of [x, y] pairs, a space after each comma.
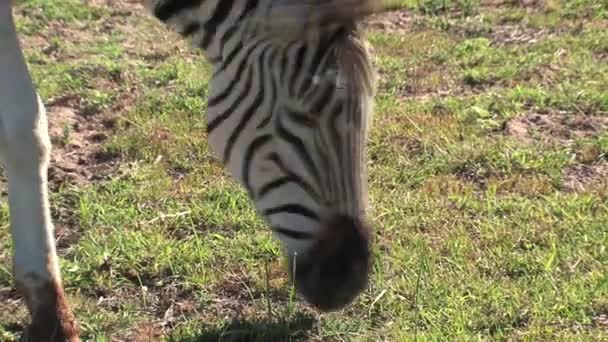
{"points": [[24, 150]]}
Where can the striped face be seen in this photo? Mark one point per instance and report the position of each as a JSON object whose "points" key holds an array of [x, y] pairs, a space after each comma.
{"points": [[288, 119], [295, 143], [290, 124]]}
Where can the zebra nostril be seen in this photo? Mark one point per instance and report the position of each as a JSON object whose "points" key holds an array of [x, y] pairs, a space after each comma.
{"points": [[337, 267]]}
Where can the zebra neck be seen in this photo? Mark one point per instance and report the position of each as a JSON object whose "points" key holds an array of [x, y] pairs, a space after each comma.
{"points": [[211, 25]]}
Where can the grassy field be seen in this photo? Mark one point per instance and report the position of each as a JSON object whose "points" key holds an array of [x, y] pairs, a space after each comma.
{"points": [[489, 181]]}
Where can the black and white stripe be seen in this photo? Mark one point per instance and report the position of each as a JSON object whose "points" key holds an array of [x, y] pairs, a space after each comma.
{"points": [[278, 117]]}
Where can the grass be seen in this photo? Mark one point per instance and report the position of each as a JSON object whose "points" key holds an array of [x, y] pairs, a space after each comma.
{"points": [[488, 167]]}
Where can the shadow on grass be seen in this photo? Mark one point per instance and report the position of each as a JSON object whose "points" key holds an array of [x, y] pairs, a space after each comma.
{"points": [[293, 329]]}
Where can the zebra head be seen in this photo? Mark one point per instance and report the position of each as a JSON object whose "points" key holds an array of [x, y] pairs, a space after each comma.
{"points": [[292, 129], [288, 117]]}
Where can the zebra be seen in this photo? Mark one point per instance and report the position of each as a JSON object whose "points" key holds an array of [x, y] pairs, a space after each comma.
{"points": [[288, 116]]}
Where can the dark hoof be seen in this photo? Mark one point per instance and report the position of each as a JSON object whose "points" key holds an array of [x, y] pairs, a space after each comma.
{"points": [[52, 319]]}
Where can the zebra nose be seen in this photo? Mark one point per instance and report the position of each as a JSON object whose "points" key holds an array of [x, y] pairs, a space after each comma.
{"points": [[336, 269]]}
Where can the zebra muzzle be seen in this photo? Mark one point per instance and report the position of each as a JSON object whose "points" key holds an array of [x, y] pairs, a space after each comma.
{"points": [[336, 269]]}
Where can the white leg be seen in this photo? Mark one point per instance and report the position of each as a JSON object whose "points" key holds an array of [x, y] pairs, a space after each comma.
{"points": [[24, 150]]}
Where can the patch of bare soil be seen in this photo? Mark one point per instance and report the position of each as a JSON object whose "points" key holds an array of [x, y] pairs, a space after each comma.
{"points": [[82, 32], [77, 130], [77, 156], [518, 34], [402, 21], [117, 5], [503, 33], [428, 81], [556, 127], [583, 177], [236, 297], [14, 313], [169, 303], [431, 79], [237, 292], [601, 321], [143, 332], [529, 4], [561, 128]]}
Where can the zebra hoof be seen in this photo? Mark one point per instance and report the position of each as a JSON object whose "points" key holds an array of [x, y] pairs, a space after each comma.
{"points": [[337, 268], [52, 319]]}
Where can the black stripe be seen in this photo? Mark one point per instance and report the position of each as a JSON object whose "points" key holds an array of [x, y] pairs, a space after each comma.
{"points": [[228, 59], [301, 119], [272, 185], [294, 234], [323, 52], [251, 5], [250, 111], [213, 60], [296, 209], [190, 29], [207, 37], [235, 79], [324, 100], [323, 157], [273, 91], [338, 145], [221, 12], [306, 87], [299, 147], [317, 63], [283, 67], [215, 123], [336, 112], [295, 178], [298, 69], [168, 8], [228, 34], [255, 145]]}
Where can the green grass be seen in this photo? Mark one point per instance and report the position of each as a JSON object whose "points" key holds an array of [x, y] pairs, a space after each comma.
{"points": [[478, 235]]}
